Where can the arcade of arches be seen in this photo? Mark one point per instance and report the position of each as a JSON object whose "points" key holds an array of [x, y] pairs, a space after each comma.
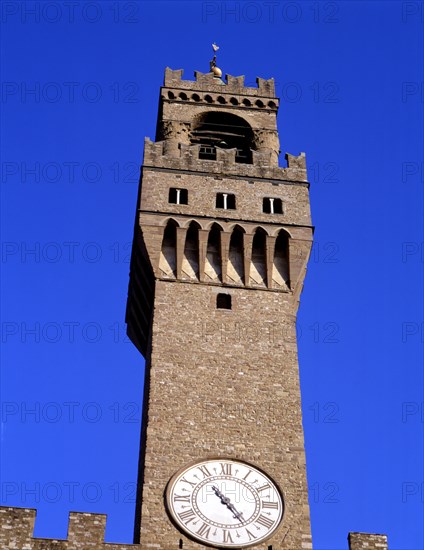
{"points": [[216, 256]]}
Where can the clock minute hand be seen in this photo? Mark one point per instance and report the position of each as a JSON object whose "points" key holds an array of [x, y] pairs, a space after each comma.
{"points": [[225, 500]]}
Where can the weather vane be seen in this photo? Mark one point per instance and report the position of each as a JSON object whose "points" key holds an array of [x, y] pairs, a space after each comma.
{"points": [[212, 64]]}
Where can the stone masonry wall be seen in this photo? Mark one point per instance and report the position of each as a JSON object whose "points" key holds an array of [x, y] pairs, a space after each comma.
{"points": [[202, 190], [85, 532], [367, 541], [224, 383]]}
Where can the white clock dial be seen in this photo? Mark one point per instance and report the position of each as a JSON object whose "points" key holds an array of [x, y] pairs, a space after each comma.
{"points": [[225, 503]]}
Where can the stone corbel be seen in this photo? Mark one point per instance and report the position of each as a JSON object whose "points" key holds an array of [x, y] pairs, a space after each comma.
{"points": [[225, 250], [270, 252], [247, 256], [181, 238], [153, 237], [299, 251], [203, 246]]}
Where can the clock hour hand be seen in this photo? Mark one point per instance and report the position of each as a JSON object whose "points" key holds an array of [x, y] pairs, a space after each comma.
{"points": [[225, 500]]}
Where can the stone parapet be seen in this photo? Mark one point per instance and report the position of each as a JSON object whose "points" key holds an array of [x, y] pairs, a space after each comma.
{"points": [[367, 541], [207, 81], [85, 532], [187, 158]]}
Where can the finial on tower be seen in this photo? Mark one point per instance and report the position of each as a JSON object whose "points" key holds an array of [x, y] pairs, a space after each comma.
{"points": [[212, 64]]}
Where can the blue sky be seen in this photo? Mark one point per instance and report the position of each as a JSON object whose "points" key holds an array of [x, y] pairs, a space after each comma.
{"points": [[80, 91]]}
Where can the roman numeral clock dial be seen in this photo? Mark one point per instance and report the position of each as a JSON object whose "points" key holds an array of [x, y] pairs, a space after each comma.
{"points": [[225, 503]]}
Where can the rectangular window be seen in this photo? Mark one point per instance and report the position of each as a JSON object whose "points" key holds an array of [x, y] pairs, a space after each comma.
{"points": [[178, 196], [223, 301], [272, 205], [227, 201], [207, 152]]}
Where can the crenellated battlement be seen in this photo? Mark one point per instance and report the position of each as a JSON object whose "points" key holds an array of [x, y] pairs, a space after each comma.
{"points": [[367, 541], [209, 82], [85, 531], [187, 158]]}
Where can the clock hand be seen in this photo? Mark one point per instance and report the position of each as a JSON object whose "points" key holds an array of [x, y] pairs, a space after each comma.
{"points": [[225, 500]]}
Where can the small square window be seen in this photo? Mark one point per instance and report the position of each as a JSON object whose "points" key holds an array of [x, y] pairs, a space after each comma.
{"points": [[223, 301], [227, 201], [272, 205], [178, 196]]}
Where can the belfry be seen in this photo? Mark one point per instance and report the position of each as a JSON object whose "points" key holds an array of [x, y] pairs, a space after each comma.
{"points": [[221, 243]]}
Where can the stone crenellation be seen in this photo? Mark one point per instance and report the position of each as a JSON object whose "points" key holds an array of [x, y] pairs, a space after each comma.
{"points": [[367, 541], [187, 158], [207, 81], [85, 532]]}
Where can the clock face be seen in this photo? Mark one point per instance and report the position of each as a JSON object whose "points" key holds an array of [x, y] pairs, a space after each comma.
{"points": [[225, 503]]}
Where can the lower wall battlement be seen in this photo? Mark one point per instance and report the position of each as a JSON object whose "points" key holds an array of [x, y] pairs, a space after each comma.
{"points": [[367, 541], [85, 531]]}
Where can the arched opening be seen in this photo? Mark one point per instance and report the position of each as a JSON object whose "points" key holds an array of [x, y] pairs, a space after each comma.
{"points": [[214, 130], [183, 96], [213, 255], [235, 268], [190, 264], [195, 97], [168, 260], [246, 102], [258, 265], [280, 268]]}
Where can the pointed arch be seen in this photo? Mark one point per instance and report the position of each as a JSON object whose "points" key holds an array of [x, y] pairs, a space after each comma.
{"points": [[166, 221], [235, 269], [280, 268], [258, 264], [168, 254], [213, 269], [190, 264]]}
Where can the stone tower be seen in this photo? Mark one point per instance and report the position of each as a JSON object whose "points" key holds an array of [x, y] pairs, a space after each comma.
{"points": [[221, 243]]}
